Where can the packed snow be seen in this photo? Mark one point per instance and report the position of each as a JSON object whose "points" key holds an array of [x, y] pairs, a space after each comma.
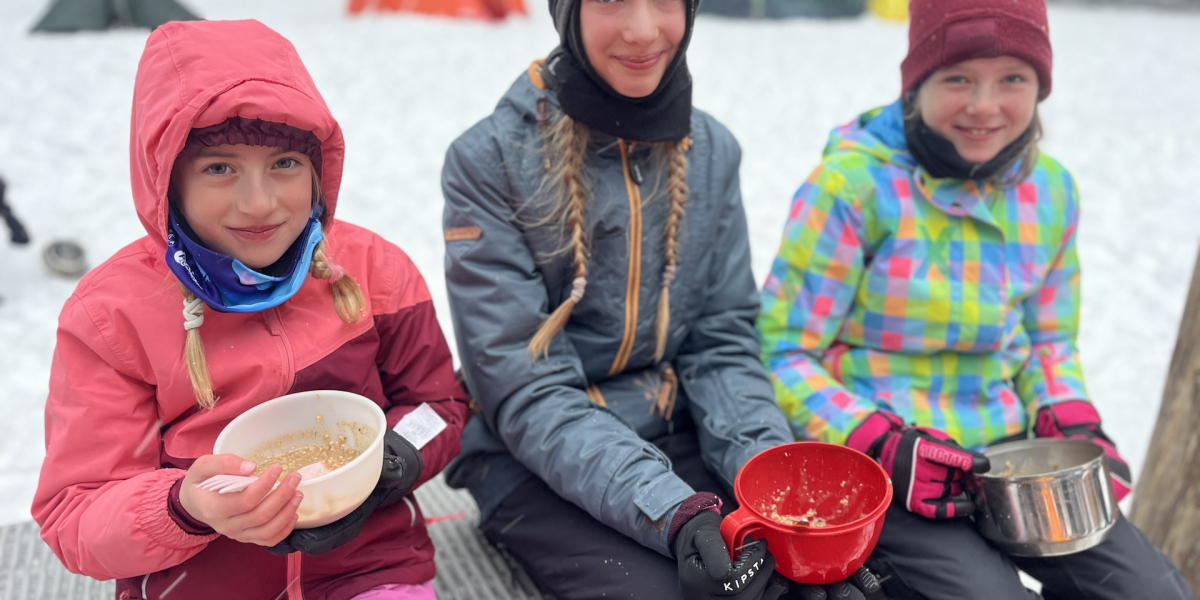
{"points": [[404, 86]]}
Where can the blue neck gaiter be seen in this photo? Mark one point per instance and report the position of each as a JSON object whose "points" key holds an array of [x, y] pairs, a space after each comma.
{"points": [[228, 285]]}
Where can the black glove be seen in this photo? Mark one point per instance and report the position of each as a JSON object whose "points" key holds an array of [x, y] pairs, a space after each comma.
{"points": [[862, 585], [401, 469], [706, 573]]}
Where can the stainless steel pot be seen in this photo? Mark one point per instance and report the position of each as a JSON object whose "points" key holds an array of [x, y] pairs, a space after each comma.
{"points": [[1045, 497]]}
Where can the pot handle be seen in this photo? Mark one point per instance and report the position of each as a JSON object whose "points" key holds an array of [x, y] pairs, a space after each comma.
{"points": [[735, 527]]}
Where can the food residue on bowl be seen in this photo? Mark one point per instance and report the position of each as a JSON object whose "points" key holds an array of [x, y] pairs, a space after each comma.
{"points": [[313, 445], [332, 454], [808, 519]]}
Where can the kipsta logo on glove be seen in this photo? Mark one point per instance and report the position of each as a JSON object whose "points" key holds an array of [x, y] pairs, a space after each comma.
{"points": [[737, 584]]}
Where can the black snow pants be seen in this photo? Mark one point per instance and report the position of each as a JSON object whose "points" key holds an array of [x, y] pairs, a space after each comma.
{"points": [[571, 556], [924, 559]]}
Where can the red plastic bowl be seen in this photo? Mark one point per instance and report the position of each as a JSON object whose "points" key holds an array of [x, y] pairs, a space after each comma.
{"points": [[842, 486]]}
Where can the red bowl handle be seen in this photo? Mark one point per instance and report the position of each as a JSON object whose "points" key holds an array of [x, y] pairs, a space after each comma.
{"points": [[735, 527]]}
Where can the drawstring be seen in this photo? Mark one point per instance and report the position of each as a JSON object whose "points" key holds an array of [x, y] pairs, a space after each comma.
{"points": [[294, 589], [664, 402]]}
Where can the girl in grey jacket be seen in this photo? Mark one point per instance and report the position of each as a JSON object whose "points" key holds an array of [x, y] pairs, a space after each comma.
{"points": [[604, 308]]}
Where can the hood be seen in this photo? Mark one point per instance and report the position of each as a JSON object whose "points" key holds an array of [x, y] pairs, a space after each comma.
{"points": [[565, 14], [199, 73], [878, 133]]}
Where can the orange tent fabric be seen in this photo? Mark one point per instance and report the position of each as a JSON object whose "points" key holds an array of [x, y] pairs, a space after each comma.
{"points": [[472, 9]]}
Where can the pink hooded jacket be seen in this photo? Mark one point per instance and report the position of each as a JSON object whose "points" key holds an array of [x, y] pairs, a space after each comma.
{"points": [[122, 424]]}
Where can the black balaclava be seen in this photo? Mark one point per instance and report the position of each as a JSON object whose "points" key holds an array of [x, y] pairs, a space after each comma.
{"points": [[941, 159], [665, 114]]}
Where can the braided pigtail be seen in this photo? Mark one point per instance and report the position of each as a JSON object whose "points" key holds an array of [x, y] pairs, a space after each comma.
{"points": [[193, 349], [348, 298], [677, 195], [570, 140]]}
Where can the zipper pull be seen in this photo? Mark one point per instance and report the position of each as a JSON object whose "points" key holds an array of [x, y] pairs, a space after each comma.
{"points": [[637, 173]]}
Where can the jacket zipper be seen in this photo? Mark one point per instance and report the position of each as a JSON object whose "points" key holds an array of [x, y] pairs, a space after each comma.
{"points": [[635, 264], [275, 326]]}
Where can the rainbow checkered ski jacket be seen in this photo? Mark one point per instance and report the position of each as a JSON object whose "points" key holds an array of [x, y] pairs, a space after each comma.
{"points": [[953, 303]]}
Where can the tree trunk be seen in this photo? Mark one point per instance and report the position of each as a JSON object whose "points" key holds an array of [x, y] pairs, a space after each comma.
{"points": [[1166, 505]]}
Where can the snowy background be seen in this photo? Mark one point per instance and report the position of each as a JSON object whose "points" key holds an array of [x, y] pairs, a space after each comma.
{"points": [[1121, 118]]}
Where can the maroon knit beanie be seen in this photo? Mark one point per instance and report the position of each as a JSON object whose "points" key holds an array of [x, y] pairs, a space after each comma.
{"points": [[947, 32], [256, 132]]}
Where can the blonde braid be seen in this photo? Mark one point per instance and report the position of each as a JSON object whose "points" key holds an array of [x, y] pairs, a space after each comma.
{"points": [[570, 141], [193, 350], [677, 192], [348, 298]]}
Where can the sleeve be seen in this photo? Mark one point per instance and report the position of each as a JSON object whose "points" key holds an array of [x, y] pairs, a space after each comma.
{"points": [[102, 500], [539, 409], [416, 367], [806, 298], [1050, 317], [719, 366]]}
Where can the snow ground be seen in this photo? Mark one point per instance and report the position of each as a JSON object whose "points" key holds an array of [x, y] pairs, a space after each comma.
{"points": [[405, 86]]}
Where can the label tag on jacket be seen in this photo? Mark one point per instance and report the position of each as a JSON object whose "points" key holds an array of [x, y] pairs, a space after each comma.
{"points": [[420, 426]]}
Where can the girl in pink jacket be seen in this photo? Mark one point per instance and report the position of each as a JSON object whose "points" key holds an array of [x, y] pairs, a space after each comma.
{"points": [[236, 163]]}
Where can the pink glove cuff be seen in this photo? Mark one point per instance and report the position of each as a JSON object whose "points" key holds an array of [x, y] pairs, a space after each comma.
{"points": [[870, 431], [1051, 420]]}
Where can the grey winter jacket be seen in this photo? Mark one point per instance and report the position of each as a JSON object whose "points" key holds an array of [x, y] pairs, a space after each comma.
{"points": [[581, 419]]}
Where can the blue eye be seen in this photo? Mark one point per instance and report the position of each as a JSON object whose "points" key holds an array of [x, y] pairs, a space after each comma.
{"points": [[217, 169], [1015, 79], [287, 163]]}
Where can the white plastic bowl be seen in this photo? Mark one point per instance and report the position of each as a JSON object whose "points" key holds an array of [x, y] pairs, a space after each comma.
{"points": [[335, 494]]}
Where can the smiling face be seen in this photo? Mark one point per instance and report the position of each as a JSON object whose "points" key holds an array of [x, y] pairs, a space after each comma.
{"points": [[980, 105], [247, 202], [630, 42]]}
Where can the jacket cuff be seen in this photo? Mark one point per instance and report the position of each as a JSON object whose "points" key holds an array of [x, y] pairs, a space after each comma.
{"points": [[692, 506], [189, 524], [152, 513]]}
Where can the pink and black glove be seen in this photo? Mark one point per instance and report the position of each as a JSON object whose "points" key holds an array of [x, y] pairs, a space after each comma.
{"points": [[927, 466], [1078, 420]]}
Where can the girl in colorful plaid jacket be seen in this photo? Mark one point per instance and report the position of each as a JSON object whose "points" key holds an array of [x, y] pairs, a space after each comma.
{"points": [[925, 301]]}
